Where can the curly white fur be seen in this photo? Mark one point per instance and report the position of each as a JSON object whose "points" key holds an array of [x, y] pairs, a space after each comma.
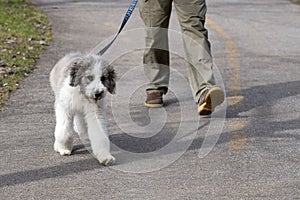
{"points": [[80, 83]]}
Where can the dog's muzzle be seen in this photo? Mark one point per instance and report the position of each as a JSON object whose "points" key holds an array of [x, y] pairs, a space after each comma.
{"points": [[99, 94]]}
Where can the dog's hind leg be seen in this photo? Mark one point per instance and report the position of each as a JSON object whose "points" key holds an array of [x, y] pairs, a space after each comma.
{"points": [[80, 124], [63, 131], [80, 127]]}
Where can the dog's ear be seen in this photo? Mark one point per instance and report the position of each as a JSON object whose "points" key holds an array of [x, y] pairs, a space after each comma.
{"points": [[78, 68], [73, 73], [108, 79]]}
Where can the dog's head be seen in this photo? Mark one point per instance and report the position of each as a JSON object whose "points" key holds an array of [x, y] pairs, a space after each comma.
{"points": [[93, 76]]}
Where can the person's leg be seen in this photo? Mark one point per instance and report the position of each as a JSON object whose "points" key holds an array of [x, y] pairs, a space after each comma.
{"points": [[191, 15], [156, 15]]}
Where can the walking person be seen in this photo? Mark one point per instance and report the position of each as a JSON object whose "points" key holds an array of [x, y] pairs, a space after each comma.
{"points": [[191, 15]]}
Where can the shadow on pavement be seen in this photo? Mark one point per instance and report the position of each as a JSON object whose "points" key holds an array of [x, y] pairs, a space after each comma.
{"points": [[262, 99], [48, 172]]}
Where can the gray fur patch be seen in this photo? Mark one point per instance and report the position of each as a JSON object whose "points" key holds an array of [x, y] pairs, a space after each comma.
{"points": [[78, 69]]}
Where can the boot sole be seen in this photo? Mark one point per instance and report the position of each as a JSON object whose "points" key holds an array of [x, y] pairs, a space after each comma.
{"points": [[150, 105]]}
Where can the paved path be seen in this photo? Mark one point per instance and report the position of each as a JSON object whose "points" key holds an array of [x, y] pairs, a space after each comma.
{"points": [[167, 153]]}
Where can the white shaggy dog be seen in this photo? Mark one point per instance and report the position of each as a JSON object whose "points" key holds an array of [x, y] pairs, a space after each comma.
{"points": [[80, 83]]}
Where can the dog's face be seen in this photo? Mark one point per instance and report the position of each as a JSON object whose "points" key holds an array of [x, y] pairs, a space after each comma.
{"points": [[93, 76]]}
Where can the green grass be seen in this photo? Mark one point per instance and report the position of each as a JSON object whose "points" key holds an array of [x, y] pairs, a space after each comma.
{"points": [[296, 1], [24, 33]]}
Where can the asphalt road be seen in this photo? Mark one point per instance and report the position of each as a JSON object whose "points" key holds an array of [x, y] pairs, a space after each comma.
{"points": [[249, 149]]}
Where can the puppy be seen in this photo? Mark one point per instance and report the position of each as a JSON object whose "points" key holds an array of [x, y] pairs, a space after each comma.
{"points": [[80, 83]]}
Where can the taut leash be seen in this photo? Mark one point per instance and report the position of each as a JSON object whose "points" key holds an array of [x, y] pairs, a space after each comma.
{"points": [[125, 20]]}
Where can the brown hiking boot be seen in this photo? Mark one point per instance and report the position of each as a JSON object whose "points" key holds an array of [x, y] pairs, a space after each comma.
{"points": [[154, 100], [209, 100]]}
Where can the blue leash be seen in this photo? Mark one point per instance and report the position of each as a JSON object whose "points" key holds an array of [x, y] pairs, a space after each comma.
{"points": [[126, 18]]}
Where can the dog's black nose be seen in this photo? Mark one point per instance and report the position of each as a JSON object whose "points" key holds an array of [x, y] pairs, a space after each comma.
{"points": [[99, 94]]}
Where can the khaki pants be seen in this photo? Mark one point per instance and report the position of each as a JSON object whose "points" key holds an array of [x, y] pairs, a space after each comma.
{"points": [[191, 16]]}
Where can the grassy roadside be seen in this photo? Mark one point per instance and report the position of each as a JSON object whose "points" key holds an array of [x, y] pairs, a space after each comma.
{"points": [[296, 1], [24, 33]]}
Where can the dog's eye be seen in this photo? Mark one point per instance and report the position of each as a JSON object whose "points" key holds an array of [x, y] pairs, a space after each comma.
{"points": [[90, 78]]}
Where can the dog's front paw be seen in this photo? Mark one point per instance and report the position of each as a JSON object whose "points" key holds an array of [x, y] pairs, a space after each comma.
{"points": [[62, 150], [106, 160]]}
